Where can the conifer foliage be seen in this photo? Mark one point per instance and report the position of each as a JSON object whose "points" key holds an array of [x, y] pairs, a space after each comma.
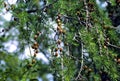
{"points": [[80, 39]]}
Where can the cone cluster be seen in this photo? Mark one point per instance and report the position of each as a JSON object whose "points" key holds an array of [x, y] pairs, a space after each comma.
{"points": [[60, 32], [59, 25], [35, 46], [86, 68]]}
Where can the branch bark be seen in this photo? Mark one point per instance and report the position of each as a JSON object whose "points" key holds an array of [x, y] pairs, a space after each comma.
{"points": [[47, 6]]}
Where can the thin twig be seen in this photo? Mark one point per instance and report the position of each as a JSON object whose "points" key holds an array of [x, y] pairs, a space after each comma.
{"points": [[68, 17], [74, 58], [79, 74], [62, 67], [86, 25], [113, 46], [99, 43], [28, 40], [87, 14]]}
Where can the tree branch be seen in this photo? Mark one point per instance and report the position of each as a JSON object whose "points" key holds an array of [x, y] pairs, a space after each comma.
{"points": [[113, 46], [47, 6], [87, 13], [79, 74]]}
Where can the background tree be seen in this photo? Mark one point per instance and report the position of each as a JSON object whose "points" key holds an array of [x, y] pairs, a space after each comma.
{"points": [[80, 38]]}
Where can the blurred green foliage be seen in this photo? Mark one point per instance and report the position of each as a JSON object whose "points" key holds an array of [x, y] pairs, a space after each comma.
{"points": [[85, 26]]}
